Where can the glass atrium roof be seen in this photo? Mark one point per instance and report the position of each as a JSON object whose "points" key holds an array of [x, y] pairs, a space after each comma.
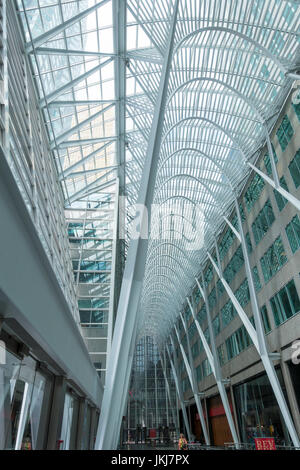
{"points": [[228, 82]]}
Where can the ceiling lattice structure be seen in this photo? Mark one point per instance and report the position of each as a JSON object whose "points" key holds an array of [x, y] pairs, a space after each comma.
{"points": [[228, 82]]}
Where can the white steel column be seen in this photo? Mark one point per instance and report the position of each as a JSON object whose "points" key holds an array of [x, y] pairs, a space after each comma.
{"points": [[241, 313], [179, 392], [193, 381], [134, 271], [272, 159], [113, 272], [23, 415], [262, 346], [217, 368], [292, 199], [168, 391]]}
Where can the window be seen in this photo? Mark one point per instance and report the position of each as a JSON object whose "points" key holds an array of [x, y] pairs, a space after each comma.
{"points": [[208, 275], [185, 385], [201, 316], [263, 222], [267, 161], [242, 293], [253, 192], [192, 330], [234, 265], [293, 233], [235, 219], [212, 298], [294, 168], [94, 317], [206, 335], [216, 325], [220, 287], [225, 243], [265, 319], [285, 303], [93, 303], [195, 349], [281, 201], [228, 312], [237, 342], [199, 373], [197, 296], [221, 354], [256, 279], [284, 133], [206, 368], [273, 259], [249, 244]]}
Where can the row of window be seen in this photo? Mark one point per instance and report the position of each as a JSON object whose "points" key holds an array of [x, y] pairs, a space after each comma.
{"points": [[274, 258], [91, 265], [284, 304], [203, 370], [263, 222]]}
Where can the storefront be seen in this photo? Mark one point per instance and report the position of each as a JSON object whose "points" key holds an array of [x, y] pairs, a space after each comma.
{"points": [[25, 397], [219, 427], [258, 412]]}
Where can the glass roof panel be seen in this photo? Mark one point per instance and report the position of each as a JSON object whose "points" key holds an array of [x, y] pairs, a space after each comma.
{"points": [[227, 84]]}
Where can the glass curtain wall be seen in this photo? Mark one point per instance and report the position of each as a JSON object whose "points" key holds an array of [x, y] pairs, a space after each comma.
{"points": [[149, 407], [91, 237], [25, 394], [258, 412]]}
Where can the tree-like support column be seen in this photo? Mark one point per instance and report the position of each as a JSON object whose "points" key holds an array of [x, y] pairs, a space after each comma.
{"points": [[179, 392], [213, 359], [118, 372], [193, 381]]}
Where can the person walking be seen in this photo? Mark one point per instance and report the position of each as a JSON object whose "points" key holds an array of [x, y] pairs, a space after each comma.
{"points": [[182, 443]]}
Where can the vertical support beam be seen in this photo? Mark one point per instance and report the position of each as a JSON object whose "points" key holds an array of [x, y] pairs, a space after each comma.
{"points": [[168, 391], [217, 368], [127, 313], [155, 391], [272, 159], [146, 382], [125, 394], [241, 313], [23, 415], [234, 412], [57, 411], [119, 21], [113, 273], [262, 346], [191, 374], [179, 392]]}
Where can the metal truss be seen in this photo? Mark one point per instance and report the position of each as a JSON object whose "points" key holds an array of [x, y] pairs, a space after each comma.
{"points": [[199, 108]]}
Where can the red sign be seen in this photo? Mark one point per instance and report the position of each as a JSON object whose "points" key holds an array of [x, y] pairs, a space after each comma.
{"points": [[265, 443], [152, 433]]}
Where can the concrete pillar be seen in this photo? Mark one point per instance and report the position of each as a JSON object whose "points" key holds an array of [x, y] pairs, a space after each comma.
{"points": [[57, 410]]}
